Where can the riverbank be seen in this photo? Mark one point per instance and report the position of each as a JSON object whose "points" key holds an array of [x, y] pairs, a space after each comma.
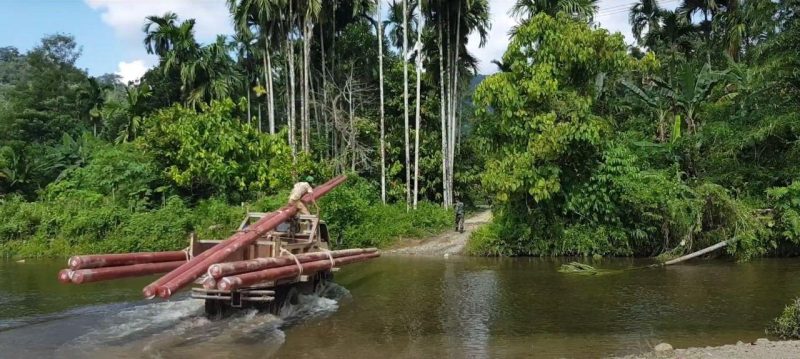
{"points": [[761, 349], [447, 243]]}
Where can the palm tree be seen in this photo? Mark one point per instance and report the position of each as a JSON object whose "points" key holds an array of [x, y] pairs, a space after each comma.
{"points": [[311, 13], [707, 7], [160, 33], [645, 17], [244, 43], [419, 60], [405, 100], [134, 98], [744, 23], [264, 15], [380, 80], [92, 99], [455, 21], [579, 9], [175, 44], [675, 34], [213, 75]]}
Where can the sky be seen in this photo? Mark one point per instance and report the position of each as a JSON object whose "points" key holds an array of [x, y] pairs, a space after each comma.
{"points": [[110, 31]]}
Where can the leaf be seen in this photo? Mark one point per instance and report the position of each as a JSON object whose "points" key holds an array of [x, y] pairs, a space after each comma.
{"points": [[676, 129]]}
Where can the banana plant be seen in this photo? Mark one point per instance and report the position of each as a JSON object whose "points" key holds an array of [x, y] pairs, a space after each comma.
{"points": [[657, 103], [687, 91]]}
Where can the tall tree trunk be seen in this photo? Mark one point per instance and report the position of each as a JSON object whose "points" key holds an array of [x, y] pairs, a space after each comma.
{"points": [[443, 112], [309, 32], [324, 86], [405, 101], [247, 88], [454, 104], [352, 121], [266, 76], [270, 89], [417, 126], [292, 101], [383, 130]]}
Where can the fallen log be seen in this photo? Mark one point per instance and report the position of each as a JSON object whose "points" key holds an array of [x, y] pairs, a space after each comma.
{"points": [[697, 254], [123, 259], [289, 271], [193, 269]]}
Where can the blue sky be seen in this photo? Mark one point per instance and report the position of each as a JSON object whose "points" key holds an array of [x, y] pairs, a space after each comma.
{"points": [[110, 30]]}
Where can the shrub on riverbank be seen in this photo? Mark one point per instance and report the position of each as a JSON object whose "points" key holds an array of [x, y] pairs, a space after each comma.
{"points": [[787, 325], [82, 221], [89, 223], [357, 218]]}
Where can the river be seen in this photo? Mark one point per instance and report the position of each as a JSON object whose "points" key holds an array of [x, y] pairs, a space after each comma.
{"points": [[409, 307]]}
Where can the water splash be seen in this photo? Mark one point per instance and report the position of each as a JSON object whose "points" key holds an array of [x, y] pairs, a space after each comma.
{"points": [[179, 329]]}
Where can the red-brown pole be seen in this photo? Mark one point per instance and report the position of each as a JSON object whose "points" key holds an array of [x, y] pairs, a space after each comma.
{"points": [[123, 259], [65, 276], [81, 276], [220, 270], [197, 266], [248, 279]]}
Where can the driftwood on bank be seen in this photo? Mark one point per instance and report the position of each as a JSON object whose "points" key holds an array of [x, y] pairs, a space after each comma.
{"points": [[585, 269], [697, 254]]}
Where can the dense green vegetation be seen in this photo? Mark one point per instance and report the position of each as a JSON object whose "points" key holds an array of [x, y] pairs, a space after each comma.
{"points": [[787, 325], [691, 138], [89, 164], [583, 145]]}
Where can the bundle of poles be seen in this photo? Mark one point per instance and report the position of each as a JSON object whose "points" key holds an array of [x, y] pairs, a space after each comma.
{"points": [[93, 268], [181, 270], [234, 275]]}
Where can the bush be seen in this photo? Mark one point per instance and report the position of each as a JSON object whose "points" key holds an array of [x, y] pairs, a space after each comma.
{"points": [[90, 223], [787, 325], [212, 153], [122, 173], [357, 218], [485, 241], [83, 221], [379, 225]]}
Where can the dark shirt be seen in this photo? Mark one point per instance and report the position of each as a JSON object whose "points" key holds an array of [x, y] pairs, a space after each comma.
{"points": [[459, 209]]}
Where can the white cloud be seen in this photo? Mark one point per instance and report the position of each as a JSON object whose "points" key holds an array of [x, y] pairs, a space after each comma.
{"points": [[497, 39], [131, 71], [127, 17]]}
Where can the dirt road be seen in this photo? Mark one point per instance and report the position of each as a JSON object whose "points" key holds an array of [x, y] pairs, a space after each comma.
{"points": [[448, 243]]}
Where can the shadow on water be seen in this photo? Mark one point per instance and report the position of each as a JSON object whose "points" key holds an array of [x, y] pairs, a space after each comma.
{"points": [[410, 307]]}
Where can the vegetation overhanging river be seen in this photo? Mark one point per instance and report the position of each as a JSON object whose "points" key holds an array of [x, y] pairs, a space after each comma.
{"points": [[401, 306]]}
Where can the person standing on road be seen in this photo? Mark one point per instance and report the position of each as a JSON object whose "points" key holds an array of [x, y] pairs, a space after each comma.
{"points": [[459, 208], [299, 190]]}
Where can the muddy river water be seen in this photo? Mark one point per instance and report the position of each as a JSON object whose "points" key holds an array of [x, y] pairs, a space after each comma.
{"points": [[409, 307]]}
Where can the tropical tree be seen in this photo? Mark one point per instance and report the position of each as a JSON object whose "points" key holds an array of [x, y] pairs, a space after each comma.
{"points": [[645, 17], [404, 57], [419, 63], [92, 98], [379, 31], [579, 9], [135, 96], [684, 93]]}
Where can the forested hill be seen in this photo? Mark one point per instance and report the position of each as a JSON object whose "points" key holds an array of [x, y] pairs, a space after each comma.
{"points": [[582, 144]]}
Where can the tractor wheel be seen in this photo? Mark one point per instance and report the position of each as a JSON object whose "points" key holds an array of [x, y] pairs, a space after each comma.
{"points": [[214, 309]]}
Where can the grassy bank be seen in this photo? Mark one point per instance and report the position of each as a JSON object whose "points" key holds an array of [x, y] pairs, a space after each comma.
{"points": [[85, 222]]}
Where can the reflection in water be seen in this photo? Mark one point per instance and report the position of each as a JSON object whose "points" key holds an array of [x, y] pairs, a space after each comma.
{"points": [[468, 301], [409, 307]]}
